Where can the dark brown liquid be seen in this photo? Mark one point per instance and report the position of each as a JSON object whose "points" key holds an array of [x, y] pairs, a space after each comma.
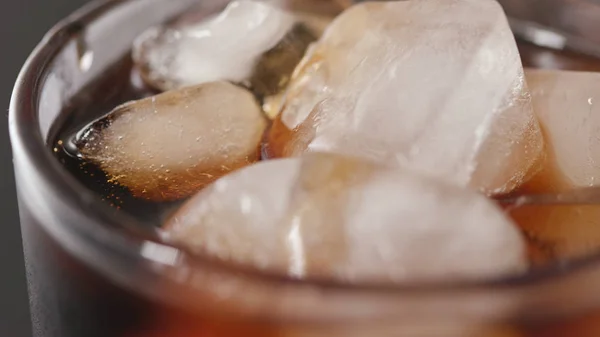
{"points": [[122, 84], [118, 86], [94, 307], [552, 232]]}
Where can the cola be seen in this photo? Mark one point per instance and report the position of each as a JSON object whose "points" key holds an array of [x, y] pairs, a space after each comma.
{"points": [[104, 309], [76, 299]]}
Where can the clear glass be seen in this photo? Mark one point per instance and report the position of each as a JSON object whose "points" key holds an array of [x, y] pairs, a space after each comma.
{"points": [[92, 273], [558, 24]]}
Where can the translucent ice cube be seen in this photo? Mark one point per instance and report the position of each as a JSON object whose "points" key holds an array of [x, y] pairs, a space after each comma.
{"points": [[251, 42], [169, 146], [433, 84], [568, 107], [326, 216]]}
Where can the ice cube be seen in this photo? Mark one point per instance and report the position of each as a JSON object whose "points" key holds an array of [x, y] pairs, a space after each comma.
{"points": [[568, 108], [250, 42], [169, 146], [332, 217], [437, 85]]}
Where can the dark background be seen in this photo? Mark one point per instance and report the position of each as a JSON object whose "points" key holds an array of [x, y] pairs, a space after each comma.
{"points": [[22, 25]]}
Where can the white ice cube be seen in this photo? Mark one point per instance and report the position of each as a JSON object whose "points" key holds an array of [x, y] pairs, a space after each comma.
{"points": [[225, 47], [332, 217], [436, 85]]}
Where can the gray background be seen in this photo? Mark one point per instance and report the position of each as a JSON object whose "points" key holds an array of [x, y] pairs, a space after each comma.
{"points": [[22, 25]]}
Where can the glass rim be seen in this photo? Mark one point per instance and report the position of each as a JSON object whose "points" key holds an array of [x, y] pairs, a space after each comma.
{"points": [[26, 137]]}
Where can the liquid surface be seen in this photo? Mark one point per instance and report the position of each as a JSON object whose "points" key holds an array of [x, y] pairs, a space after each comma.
{"points": [[123, 84]]}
